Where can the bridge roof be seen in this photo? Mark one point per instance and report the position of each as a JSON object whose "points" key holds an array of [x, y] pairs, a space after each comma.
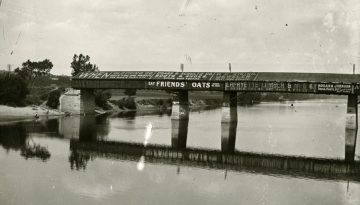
{"points": [[220, 76]]}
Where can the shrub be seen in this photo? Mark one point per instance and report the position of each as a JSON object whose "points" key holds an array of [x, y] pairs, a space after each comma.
{"points": [[53, 99], [128, 103], [101, 98], [13, 89]]}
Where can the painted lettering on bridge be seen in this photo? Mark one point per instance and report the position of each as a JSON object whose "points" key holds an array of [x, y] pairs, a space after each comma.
{"points": [[184, 85], [167, 76], [334, 88], [166, 85], [257, 86]]}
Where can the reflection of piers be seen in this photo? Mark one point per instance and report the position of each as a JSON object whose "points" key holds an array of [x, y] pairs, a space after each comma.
{"points": [[228, 136], [204, 158]]}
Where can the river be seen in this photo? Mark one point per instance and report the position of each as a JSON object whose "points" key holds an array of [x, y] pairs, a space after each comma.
{"points": [[71, 170]]}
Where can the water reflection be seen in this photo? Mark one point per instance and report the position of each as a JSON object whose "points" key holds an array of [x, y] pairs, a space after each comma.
{"points": [[307, 167], [228, 136], [78, 160], [16, 137]]}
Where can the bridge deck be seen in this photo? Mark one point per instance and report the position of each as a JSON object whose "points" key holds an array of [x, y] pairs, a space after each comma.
{"points": [[318, 83]]}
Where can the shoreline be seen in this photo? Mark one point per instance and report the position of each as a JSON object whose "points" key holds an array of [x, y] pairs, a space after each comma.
{"points": [[9, 113]]}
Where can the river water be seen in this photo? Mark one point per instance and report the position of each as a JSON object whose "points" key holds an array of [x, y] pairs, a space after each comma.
{"points": [[70, 166]]}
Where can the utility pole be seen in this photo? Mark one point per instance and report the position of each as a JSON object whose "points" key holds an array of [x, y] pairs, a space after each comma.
{"points": [[354, 68], [230, 67], [182, 67]]}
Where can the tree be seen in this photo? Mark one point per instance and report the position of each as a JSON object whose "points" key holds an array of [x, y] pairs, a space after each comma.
{"points": [[31, 70], [53, 99], [13, 89], [101, 98], [82, 63]]}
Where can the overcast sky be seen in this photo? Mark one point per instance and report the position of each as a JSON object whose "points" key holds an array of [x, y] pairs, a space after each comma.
{"points": [[254, 35]]}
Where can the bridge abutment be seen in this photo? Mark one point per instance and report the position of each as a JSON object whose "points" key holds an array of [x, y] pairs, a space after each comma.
{"points": [[351, 127], [87, 101]]}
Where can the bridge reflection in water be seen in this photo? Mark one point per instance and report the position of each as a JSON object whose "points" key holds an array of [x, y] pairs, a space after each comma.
{"points": [[89, 146]]}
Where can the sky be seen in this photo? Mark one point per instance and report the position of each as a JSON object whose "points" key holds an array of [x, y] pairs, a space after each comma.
{"points": [[252, 35]]}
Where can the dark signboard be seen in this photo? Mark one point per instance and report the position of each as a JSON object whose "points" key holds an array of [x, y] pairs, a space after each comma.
{"points": [[171, 76]]}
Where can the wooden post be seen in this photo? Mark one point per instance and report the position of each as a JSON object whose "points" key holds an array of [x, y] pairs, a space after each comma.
{"points": [[353, 69]]}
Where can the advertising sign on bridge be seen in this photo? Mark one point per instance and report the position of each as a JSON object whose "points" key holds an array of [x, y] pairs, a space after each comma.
{"points": [[169, 76]]}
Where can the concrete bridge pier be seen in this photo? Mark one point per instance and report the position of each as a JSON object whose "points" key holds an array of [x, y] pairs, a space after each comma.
{"points": [[87, 129], [228, 136], [179, 119], [87, 101], [229, 107], [179, 130], [180, 106], [228, 121], [351, 127]]}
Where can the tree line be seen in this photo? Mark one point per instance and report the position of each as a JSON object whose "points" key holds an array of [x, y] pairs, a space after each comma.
{"points": [[17, 87]]}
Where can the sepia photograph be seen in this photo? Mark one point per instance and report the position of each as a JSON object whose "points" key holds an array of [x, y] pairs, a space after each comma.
{"points": [[161, 102]]}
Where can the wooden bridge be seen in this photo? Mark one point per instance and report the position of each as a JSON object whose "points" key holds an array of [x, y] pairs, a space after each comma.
{"points": [[229, 83]]}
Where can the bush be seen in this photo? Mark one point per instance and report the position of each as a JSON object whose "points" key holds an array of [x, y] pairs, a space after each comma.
{"points": [[13, 89], [128, 103], [101, 98], [53, 99]]}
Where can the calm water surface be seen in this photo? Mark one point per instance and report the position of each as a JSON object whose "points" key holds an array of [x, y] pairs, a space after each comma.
{"points": [[67, 176]]}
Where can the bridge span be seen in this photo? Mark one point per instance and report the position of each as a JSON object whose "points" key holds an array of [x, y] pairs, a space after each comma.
{"points": [[180, 83]]}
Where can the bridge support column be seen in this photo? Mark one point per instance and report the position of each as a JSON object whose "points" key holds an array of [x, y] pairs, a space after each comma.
{"points": [[229, 107], [228, 122], [179, 119], [88, 128], [179, 129], [228, 136], [180, 106], [87, 101], [351, 127]]}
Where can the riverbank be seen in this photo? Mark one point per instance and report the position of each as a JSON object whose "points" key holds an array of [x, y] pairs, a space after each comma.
{"points": [[7, 112]]}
